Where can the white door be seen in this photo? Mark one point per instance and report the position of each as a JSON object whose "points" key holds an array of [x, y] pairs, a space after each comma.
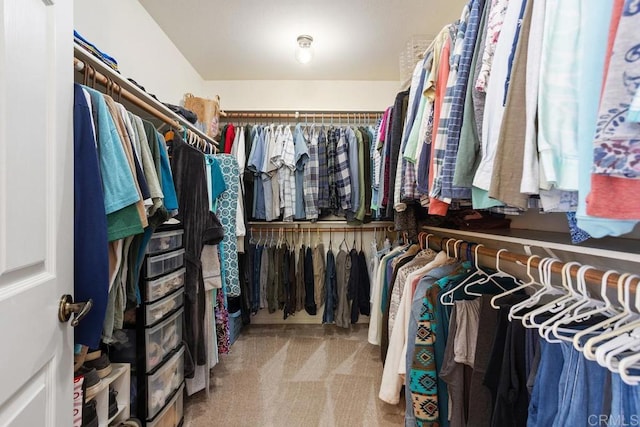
{"points": [[36, 211]]}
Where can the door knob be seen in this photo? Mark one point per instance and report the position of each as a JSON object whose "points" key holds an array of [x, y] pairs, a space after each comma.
{"points": [[67, 306]]}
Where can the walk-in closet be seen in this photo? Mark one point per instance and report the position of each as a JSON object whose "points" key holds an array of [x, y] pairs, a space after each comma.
{"points": [[320, 213]]}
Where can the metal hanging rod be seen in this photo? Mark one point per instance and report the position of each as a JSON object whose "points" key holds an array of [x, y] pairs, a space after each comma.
{"points": [[83, 62], [320, 230], [304, 115], [593, 275]]}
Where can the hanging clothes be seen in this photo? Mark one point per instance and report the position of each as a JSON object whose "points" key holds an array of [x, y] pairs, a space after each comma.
{"points": [[91, 259], [343, 270], [188, 167], [226, 212], [331, 289]]}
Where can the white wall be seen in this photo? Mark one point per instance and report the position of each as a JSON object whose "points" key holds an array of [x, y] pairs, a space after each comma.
{"points": [[124, 30], [303, 94]]}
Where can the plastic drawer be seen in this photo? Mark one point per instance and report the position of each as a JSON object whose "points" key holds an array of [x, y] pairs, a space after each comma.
{"points": [[165, 241], [156, 289], [172, 414], [156, 311], [161, 385], [162, 264], [163, 338]]}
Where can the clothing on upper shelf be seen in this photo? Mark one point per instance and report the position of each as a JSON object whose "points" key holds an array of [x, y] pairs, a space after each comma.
{"points": [[482, 113]]}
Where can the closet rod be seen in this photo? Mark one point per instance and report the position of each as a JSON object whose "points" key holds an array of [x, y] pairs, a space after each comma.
{"points": [[355, 115], [593, 275], [132, 93], [319, 229]]}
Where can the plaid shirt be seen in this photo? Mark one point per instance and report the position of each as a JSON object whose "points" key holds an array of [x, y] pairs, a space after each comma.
{"points": [[311, 180], [323, 175], [415, 93], [286, 175], [332, 141], [465, 44], [343, 177], [443, 125]]}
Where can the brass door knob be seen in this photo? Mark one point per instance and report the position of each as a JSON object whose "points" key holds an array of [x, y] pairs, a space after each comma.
{"points": [[67, 306]]}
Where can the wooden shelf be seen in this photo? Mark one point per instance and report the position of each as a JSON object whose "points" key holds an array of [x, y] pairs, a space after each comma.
{"points": [[614, 248]]}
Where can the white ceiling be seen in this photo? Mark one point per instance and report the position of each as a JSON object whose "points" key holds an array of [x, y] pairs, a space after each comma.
{"points": [[255, 39]]}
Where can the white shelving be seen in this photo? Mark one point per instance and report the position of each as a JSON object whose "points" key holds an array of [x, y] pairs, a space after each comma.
{"points": [[120, 379]]}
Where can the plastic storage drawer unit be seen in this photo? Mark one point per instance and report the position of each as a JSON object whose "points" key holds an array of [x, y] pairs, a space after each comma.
{"points": [[171, 415], [161, 384], [165, 241], [156, 311], [162, 264], [162, 339], [164, 285]]}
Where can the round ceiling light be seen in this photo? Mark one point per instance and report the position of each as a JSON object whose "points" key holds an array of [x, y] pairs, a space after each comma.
{"points": [[304, 51]]}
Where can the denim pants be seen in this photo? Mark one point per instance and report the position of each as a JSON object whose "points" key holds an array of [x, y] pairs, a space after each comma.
{"points": [[580, 390], [625, 404], [543, 405]]}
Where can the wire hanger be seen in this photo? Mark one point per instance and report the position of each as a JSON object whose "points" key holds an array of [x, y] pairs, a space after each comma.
{"points": [[344, 240]]}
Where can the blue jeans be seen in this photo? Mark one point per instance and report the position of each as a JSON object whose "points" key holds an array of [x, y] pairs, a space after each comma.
{"points": [[581, 384], [543, 405], [625, 405]]}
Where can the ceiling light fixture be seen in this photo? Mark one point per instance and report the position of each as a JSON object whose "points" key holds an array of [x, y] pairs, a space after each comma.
{"points": [[304, 51]]}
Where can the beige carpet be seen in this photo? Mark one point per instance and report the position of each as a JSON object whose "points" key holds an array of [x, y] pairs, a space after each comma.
{"points": [[296, 375]]}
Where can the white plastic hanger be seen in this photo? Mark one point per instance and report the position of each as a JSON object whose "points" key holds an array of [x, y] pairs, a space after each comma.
{"points": [[627, 321], [490, 277], [532, 281], [607, 354], [557, 304], [544, 270], [604, 306], [625, 365], [574, 303], [605, 324], [477, 276]]}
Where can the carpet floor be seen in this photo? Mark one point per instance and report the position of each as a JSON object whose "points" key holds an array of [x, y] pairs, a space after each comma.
{"points": [[296, 375]]}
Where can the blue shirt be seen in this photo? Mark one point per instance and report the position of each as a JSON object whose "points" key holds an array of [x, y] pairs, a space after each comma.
{"points": [[166, 178], [118, 182]]}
